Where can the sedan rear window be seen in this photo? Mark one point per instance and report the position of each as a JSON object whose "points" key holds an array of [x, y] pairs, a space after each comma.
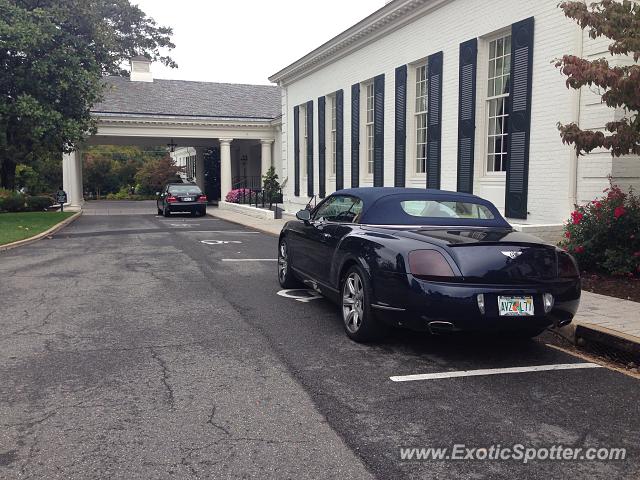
{"points": [[446, 209], [185, 190]]}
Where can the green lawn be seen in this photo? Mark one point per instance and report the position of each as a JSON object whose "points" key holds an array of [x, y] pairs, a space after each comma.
{"points": [[18, 226]]}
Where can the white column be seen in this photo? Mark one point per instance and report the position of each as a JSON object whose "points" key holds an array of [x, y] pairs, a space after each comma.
{"points": [[72, 178], [200, 168], [225, 166], [265, 156]]}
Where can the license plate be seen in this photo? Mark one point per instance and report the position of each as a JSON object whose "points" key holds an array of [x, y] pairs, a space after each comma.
{"points": [[187, 199], [515, 306]]}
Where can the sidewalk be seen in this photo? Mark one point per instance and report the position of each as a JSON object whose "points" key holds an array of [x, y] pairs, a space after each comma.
{"points": [[272, 227], [608, 320]]}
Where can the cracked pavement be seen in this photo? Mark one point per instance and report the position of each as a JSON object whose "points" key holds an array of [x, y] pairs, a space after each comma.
{"points": [[129, 349], [118, 360]]}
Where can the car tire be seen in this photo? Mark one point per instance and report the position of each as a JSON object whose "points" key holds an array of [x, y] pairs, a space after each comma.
{"points": [[166, 212], [358, 318], [286, 276]]}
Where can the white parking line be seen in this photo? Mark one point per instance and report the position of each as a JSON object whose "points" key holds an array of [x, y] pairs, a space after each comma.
{"points": [[492, 371], [249, 259], [221, 231]]}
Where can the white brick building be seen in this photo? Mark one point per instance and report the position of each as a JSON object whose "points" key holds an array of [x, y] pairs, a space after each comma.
{"points": [[392, 101]]}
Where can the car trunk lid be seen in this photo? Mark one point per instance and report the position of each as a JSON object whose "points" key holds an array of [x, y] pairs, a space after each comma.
{"points": [[493, 255]]}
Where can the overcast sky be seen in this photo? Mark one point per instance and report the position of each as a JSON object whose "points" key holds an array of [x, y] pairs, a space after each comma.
{"points": [[246, 41]]}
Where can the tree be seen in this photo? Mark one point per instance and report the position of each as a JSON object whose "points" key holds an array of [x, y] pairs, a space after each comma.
{"points": [[53, 55], [125, 162], [154, 174], [620, 22], [99, 175], [270, 184]]}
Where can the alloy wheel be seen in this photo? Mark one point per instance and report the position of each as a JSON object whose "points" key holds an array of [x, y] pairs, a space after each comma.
{"points": [[282, 262], [353, 302]]}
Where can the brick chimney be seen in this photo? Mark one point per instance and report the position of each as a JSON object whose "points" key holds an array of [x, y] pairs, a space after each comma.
{"points": [[141, 69]]}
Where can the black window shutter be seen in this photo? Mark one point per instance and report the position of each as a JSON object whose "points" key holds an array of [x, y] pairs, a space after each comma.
{"points": [[355, 135], [339, 99], [401, 127], [434, 119], [321, 147], [378, 131], [519, 119], [296, 151], [310, 148], [467, 114]]}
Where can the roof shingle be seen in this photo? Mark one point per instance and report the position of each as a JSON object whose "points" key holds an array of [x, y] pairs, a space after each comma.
{"points": [[193, 99]]}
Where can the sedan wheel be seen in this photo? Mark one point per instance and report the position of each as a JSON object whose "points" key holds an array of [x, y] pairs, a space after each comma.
{"points": [[285, 274], [360, 324]]}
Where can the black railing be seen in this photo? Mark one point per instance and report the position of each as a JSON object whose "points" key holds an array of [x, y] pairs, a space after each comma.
{"points": [[254, 182], [250, 192]]}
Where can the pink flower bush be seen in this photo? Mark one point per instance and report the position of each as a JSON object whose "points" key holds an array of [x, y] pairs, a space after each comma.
{"points": [[235, 196], [618, 212], [603, 233]]}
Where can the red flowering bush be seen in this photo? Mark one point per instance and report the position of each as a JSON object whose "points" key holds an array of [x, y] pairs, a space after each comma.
{"points": [[604, 235], [239, 195]]}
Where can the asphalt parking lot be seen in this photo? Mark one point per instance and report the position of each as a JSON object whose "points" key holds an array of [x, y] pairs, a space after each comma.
{"points": [[137, 346]]}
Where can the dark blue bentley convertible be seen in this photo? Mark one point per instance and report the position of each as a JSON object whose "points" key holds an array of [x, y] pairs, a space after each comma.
{"points": [[426, 260]]}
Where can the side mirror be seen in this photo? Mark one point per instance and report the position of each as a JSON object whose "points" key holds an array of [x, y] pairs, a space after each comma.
{"points": [[304, 215]]}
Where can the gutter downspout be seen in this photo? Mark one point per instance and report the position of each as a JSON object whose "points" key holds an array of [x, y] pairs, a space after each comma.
{"points": [[573, 156]]}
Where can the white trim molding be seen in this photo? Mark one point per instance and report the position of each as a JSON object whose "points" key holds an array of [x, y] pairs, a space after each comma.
{"points": [[392, 16]]}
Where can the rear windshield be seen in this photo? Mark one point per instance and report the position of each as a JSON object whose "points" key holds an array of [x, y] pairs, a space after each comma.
{"points": [[445, 209], [185, 190], [432, 209]]}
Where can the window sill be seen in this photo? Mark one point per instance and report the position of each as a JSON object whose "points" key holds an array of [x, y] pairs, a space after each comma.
{"points": [[417, 177], [495, 178]]}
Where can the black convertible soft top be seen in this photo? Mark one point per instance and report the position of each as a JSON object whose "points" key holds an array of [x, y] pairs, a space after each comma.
{"points": [[382, 206]]}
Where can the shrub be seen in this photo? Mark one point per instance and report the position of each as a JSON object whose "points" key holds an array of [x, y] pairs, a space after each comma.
{"points": [[38, 203], [604, 235], [237, 195], [11, 201]]}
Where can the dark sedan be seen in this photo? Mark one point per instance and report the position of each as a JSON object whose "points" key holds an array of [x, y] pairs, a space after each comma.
{"points": [[181, 197], [427, 260]]}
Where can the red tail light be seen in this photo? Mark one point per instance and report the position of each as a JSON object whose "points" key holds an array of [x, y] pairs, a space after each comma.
{"points": [[202, 198], [567, 267], [429, 263], [171, 199]]}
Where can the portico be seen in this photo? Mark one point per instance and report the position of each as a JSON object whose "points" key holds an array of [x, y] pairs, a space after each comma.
{"points": [[238, 123]]}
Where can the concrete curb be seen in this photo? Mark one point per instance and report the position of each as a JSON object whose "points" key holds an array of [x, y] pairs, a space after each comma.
{"points": [[610, 338], [238, 222], [40, 236]]}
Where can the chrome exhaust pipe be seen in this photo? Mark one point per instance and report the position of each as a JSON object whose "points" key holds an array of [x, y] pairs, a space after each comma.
{"points": [[437, 326]]}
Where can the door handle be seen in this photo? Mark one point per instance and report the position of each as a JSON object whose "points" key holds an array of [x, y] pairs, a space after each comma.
{"points": [[326, 236]]}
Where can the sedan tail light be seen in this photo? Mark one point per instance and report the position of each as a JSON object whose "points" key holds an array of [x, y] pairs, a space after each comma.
{"points": [[429, 263], [567, 267], [171, 199], [202, 199]]}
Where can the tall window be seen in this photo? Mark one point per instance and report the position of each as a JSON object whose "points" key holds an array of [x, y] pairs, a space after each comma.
{"points": [[303, 141], [497, 96], [421, 119], [333, 134], [369, 128]]}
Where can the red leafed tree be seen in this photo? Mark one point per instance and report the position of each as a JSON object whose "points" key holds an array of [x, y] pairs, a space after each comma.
{"points": [[156, 173], [620, 85]]}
